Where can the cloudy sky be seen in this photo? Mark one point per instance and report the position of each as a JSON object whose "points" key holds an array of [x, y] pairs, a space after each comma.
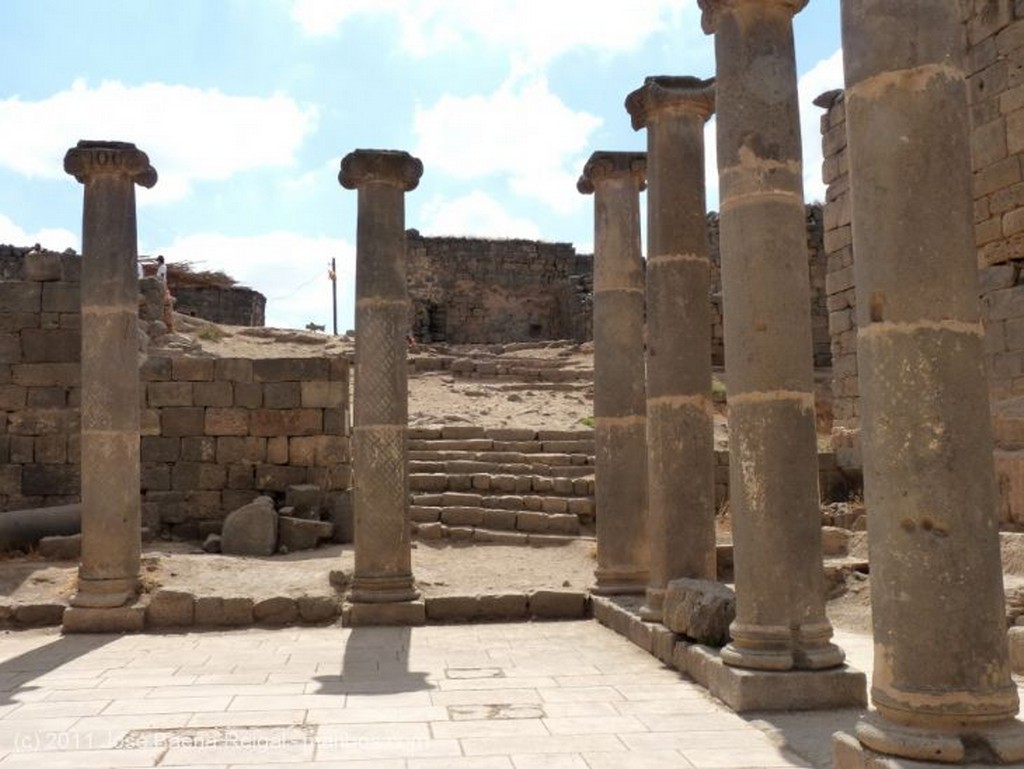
{"points": [[246, 107]]}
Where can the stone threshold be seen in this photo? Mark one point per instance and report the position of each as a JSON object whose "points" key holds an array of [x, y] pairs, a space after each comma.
{"points": [[742, 690], [176, 610]]}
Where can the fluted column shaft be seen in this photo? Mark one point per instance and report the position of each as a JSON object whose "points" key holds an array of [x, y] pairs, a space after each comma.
{"points": [[773, 471], [111, 516], [941, 683], [383, 556], [680, 417], [615, 179]]}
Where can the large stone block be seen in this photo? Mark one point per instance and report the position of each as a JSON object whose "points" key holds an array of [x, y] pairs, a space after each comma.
{"points": [[216, 611], [232, 370], [322, 395], [182, 421], [42, 266], [301, 533], [47, 374], [190, 369], [199, 448], [558, 604], [226, 421], [62, 297], [277, 611], [170, 608], [700, 609], [278, 477], [235, 449], [251, 530], [50, 480], [219, 394], [20, 296], [46, 345], [289, 369], [270, 422]]}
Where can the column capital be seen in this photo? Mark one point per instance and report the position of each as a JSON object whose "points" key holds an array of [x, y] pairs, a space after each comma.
{"points": [[395, 167], [611, 165], [670, 92], [712, 9], [829, 99], [89, 159]]}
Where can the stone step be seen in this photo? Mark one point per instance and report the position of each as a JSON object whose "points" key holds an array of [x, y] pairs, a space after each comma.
{"points": [[503, 457], [479, 445], [471, 467], [528, 521], [581, 505], [483, 484], [460, 432], [481, 535]]}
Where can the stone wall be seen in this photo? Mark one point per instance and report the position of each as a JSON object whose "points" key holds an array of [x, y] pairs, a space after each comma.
{"points": [[215, 432], [231, 305], [994, 37]]}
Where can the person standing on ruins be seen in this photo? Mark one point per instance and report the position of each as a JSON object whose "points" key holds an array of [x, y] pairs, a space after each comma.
{"points": [[168, 302]]}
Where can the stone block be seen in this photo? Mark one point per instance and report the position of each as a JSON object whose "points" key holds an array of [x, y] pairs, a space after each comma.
{"points": [[318, 608], [462, 516], [50, 480], [199, 448], [322, 395], [154, 369], [460, 432], [558, 604], [1015, 639], [835, 541], [226, 421], [46, 397], [303, 497], [217, 611], [277, 450], [563, 524], [13, 397], [20, 296], [124, 619], [499, 519], [219, 394], [404, 613], [235, 450], [700, 609], [155, 448], [46, 374], [192, 369], [277, 611], [332, 450], [289, 369], [42, 266], [251, 530], [302, 451], [300, 533], [248, 395], [532, 522], [452, 608], [44, 345], [428, 482], [431, 531], [269, 422], [182, 421], [233, 498], [155, 476], [340, 513], [504, 607], [232, 370], [278, 477], [170, 608], [194, 476], [282, 395]]}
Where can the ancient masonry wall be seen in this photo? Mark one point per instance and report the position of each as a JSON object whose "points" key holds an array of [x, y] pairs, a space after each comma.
{"points": [[215, 432], [994, 35], [478, 291], [230, 305]]}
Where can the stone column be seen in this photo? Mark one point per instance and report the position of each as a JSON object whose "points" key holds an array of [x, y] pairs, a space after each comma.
{"points": [[941, 685], [773, 469], [111, 519], [383, 557], [680, 417], [615, 179]]}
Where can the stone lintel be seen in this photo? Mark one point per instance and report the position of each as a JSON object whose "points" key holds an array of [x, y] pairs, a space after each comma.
{"points": [[662, 93], [746, 690], [604, 165], [122, 619], [394, 167], [712, 10], [91, 158], [403, 613]]}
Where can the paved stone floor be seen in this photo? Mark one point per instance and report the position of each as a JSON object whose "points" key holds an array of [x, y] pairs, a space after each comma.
{"points": [[502, 696]]}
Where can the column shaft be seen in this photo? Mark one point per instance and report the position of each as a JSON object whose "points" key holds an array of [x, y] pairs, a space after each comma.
{"points": [[773, 473], [619, 401], [383, 559], [941, 682], [680, 418]]}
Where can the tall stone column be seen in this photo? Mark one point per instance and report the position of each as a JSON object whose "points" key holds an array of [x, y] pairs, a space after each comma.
{"points": [[680, 416], [941, 687], [773, 470], [383, 556], [615, 179], [111, 520]]}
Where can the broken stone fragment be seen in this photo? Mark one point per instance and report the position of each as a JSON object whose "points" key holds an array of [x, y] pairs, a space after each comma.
{"points": [[251, 529], [700, 610]]}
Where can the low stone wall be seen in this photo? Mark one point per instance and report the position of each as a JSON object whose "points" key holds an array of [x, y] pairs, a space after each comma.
{"points": [[218, 432], [231, 305]]}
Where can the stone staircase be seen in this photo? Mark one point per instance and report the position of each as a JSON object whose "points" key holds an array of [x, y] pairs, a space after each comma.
{"points": [[501, 485]]}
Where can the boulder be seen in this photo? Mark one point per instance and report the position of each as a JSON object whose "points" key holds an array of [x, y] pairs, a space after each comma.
{"points": [[251, 529], [700, 610], [305, 498], [301, 534]]}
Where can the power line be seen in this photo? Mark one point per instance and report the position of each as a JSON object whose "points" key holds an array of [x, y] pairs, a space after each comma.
{"points": [[295, 290]]}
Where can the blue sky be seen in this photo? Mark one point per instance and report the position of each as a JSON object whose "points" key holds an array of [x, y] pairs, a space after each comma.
{"points": [[246, 107]]}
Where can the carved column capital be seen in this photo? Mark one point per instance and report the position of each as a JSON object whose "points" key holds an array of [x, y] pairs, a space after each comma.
{"points": [[713, 9], [107, 158], [668, 92], [613, 165], [394, 167]]}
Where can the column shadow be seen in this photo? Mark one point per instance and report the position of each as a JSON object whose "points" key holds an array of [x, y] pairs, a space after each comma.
{"points": [[376, 661], [807, 734], [17, 673]]}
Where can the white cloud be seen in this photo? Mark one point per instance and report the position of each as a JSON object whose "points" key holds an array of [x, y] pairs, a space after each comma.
{"points": [[537, 33], [476, 214], [823, 76], [522, 131], [189, 134], [51, 238], [288, 268]]}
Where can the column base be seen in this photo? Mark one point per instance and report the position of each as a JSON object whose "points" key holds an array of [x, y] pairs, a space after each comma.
{"points": [[772, 648], [881, 741], [654, 605], [105, 593], [119, 619], [614, 582], [387, 589], [747, 690], [394, 613]]}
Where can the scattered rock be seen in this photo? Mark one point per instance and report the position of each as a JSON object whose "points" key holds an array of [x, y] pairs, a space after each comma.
{"points": [[251, 529], [277, 611], [301, 534], [171, 608], [700, 610], [212, 543]]}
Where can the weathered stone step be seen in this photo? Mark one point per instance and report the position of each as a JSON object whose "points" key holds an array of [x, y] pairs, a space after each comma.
{"points": [[461, 432], [468, 467], [502, 457], [530, 521], [480, 445], [478, 534], [485, 484], [578, 505]]}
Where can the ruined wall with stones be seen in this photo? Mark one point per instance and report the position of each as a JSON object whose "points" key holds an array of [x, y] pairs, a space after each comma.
{"points": [[231, 305], [994, 41], [215, 432], [479, 291]]}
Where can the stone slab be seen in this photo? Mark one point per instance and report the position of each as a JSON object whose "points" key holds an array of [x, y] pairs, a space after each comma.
{"points": [[123, 619], [749, 690], [401, 613]]}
